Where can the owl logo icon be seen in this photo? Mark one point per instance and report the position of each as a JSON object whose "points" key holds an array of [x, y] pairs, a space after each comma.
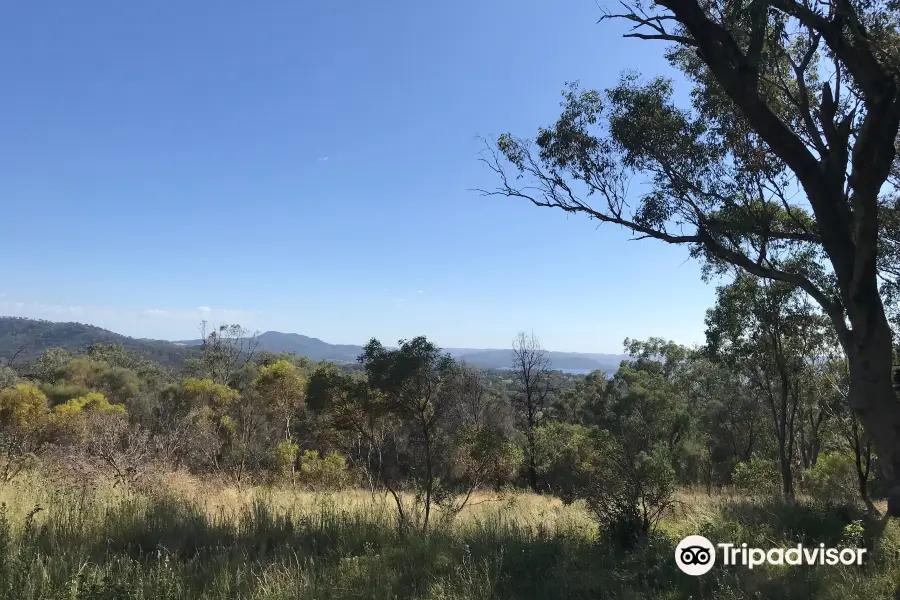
{"points": [[695, 555]]}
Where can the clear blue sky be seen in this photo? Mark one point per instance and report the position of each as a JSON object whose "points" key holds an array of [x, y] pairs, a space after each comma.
{"points": [[304, 166]]}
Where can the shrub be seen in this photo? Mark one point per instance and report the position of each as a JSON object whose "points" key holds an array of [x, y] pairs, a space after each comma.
{"points": [[90, 402], [328, 472], [562, 451], [833, 479], [8, 377], [23, 428], [60, 393], [627, 495], [626, 491], [206, 392], [282, 457], [854, 534], [72, 419], [484, 453], [111, 447], [757, 477]]}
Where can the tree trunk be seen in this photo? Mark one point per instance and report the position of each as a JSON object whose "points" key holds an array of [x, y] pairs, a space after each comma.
{"points": [[783, 418], [862, 472], [863, 482], [532, 474], [429, 471], [787, 476], [873, 398]]}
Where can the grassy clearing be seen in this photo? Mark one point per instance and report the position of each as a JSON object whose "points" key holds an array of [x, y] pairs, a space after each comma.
{"points": [[192, 540]]}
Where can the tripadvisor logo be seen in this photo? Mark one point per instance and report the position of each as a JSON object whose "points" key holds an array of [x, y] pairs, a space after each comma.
{"points": [[696, 555]]}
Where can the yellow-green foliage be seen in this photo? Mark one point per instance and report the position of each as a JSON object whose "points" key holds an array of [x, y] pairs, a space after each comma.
{"points": [[24, 420], [61, 392], [91, 402], [82, 376], [329, 472], [97, 375], [832, 479], [282, 457], [281, 384], [23, 407], [206, 392], [119, 383], [84, 371]]}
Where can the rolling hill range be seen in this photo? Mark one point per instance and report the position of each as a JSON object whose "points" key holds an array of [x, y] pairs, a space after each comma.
{"points": [[35, 336], [301, 345], [28, 338], [316, 349]]}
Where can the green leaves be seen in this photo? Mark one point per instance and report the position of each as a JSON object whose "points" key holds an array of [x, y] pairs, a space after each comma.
{"points": [[566, 455], [281, 385], [752, 316], [324, 382], [417, 367], [206, 392], [776, 167], [570, 144]]}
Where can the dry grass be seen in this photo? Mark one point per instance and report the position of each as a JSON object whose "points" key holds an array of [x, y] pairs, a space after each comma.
{"points": [[528, 509], [189, 538]]}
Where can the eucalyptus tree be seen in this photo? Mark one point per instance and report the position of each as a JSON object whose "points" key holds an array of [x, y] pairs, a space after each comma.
{"points": [[783, 164], [422, 426], [769, 332]]}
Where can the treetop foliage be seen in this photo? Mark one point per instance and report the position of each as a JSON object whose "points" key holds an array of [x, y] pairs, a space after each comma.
{"points": [[786, 97], [782, 166], [431, 431]]}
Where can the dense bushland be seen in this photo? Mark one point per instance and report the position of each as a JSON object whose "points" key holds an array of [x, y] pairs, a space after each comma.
{"points": [[437, 456]]}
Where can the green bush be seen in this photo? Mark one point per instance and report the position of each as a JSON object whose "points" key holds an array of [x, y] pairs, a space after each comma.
{"points": [[757, 477], [854, 534], [63, 392], [627, 496], [282, 457], [833, 479], [328, 472], [625, 491], [562, 452]]}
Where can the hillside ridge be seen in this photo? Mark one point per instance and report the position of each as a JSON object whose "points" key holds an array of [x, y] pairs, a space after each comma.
{"points": [[30, 337]]}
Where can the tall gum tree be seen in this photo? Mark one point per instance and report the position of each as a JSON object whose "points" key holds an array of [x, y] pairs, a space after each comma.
{"points": [[784, 163], [767, 331]]}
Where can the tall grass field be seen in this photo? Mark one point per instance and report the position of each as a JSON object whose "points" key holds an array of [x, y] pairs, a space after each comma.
{"points": [[185, 539]]}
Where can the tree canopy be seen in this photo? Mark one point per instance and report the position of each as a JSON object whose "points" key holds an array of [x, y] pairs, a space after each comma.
{"points": [[783, 165]]}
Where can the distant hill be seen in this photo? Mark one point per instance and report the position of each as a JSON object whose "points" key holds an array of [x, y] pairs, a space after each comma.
{"points": [[33, 337], [37, 336], [316, 349]]}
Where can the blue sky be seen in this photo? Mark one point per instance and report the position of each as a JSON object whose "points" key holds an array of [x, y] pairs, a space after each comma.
{"points": [[305, 166]]}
